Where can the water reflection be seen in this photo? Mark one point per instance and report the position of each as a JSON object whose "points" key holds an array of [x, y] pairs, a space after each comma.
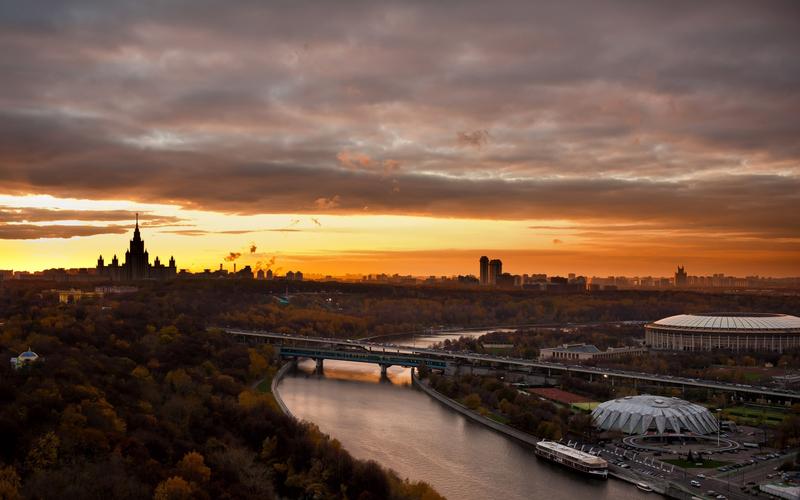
{"points": [[404, 429]]}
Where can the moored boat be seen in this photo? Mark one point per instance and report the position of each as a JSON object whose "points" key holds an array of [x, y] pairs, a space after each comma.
{"points": [[572, 458]]}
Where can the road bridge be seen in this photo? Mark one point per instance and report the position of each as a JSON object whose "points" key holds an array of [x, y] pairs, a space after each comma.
{"points": [[337, 348]]}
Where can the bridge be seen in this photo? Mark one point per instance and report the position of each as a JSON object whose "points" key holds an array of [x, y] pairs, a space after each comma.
{"points": [[382, 359], [385, 355]]}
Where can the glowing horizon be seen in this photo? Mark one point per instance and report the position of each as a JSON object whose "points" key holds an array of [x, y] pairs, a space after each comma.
{"points": [[405, 138]]}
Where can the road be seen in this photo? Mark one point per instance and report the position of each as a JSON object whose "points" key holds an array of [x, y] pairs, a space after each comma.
{"points": [[523, 365]]}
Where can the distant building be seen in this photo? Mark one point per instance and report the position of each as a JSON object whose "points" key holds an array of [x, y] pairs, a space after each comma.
{"points": [[495, 270], [260, 274], [74, 295], [484, 270], [137, 263], [681, 279], [26, 358], [739, 331], [583, 352]]}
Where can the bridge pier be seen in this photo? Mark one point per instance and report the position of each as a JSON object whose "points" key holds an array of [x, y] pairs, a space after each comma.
{"points": [[319, 365], [383, 370]]}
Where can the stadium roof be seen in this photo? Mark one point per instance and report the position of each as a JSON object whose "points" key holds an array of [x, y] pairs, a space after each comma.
{"points": [[731, 321], [640, 414]]}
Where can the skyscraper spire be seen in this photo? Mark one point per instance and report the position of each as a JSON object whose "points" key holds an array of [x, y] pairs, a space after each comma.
{"points": [[136, 236]]}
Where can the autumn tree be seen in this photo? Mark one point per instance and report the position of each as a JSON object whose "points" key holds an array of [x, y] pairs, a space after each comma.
{"points": [[174, 488]]}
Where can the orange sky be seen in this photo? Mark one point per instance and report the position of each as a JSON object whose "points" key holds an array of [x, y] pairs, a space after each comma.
{"points": [[582, 136], [342, 244]]}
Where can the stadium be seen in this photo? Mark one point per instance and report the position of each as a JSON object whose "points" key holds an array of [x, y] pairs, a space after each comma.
{"points": [[653, 414], [727, 331]]}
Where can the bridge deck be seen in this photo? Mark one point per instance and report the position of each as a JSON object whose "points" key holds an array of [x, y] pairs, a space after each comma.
{"points": [[335, 347], [388, 359]]}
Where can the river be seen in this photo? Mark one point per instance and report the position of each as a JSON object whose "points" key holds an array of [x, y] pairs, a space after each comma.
{"points": [[404, 429]]}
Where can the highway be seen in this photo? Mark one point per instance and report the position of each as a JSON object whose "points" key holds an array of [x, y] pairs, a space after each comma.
{"points": [[515, 364]]}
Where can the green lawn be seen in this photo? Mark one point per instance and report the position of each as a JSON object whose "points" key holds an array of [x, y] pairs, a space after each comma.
{"points": [[751, 415], [588, 406], [264, 386], [705, 464]]}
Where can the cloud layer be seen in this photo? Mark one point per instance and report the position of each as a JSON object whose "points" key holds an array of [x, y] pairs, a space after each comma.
{"points": [[681, 114]]}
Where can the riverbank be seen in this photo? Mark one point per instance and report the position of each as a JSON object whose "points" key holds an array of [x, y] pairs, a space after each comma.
{"points": [[506, 430], [659, 486], [274, 387]]}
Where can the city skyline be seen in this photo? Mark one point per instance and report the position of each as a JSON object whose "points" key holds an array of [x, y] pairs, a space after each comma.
{"points": [[135, 265], [405, 137]]}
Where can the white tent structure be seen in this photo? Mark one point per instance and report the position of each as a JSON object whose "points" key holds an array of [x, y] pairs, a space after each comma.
{"points": [[642, 414]]}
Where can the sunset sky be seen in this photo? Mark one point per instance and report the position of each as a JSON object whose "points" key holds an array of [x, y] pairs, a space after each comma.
{"points": [[593, 137]]}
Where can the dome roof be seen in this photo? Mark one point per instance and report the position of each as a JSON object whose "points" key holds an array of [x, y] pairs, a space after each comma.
{"points": [[28, 355], [639, 414], [730, 321]]}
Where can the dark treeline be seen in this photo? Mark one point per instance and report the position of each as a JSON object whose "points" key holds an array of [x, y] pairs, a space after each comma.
{"points": [[134, 398], [358, 309], [527, 341]]}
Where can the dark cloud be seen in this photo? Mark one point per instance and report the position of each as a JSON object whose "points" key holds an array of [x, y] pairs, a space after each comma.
{"points": [[16, 222], [476, 138], [33, 231], [33, 214], [655, 115]]}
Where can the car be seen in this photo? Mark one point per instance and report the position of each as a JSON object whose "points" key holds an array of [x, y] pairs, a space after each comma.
{"points": [[721, 497], [701, 476], [695, 483]]}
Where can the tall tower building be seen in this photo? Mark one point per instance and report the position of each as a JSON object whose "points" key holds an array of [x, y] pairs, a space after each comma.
{"points": [[136, 258], [495, 270], [484, 280], [680, 277], [137, 263]]}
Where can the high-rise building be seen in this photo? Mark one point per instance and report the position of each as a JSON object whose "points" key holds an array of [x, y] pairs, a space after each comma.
{"points": [[137, 263], [495, 270], [680, 277], [484, 279]]}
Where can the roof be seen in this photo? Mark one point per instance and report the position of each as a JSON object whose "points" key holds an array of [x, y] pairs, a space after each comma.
{"points": [[730, 321], [574, 348], [638, 414], [584, 457]]}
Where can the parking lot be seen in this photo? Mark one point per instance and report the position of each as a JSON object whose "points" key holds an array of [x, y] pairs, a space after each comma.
{"points": [[734, 474]]}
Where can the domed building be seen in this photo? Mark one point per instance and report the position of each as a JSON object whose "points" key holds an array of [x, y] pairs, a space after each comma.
{"points": [[25, 358], [663, 415], [728, 331]]}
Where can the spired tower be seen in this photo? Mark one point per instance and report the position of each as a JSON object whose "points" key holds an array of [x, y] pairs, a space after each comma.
{"points": [[680, 277], [137, 261]]}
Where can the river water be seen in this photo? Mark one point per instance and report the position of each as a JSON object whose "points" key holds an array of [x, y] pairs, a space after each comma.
{"points": [[404, 429]]}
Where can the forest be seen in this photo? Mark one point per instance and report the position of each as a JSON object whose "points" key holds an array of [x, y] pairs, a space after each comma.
{"points": [[137, 395], [133, 397]]}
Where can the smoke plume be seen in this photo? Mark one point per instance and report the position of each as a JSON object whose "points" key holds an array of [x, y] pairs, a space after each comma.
{"points": [[232, 256]]}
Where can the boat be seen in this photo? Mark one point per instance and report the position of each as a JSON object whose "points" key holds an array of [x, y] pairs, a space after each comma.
{"points": [[574, 459], [644, 486]]}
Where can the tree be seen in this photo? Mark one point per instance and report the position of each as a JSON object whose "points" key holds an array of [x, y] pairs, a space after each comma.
{"points": [[472, 401], [174, 488], [9, 483], [44, 452], [193, 468]]}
